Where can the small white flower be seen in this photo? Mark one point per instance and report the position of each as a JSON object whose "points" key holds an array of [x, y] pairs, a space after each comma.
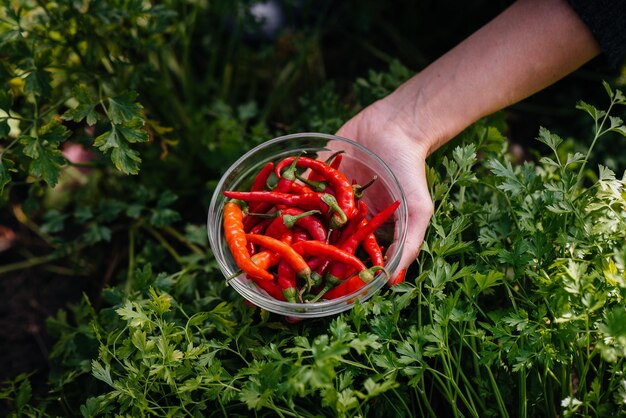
{"points": [[571, 403]]}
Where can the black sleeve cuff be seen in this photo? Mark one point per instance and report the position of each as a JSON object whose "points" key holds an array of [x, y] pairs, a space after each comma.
{"points": [[606, 19]]}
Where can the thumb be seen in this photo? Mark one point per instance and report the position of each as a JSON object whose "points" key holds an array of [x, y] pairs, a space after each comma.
{"points": [[420, 209]]}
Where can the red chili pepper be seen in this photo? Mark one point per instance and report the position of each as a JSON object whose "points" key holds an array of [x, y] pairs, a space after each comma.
{"points": [[399, 278], [323, 266], [260, 227], [261, 178], [335, 288], [353, 224], [286, 278], [309, 201], [373, 250], [350, 243], [318, 268], [315, 186], [265, 259], [287, 181], [321, 249], [256, 229], [334, 161], [282, 226], [316, 181], [300, 234], [259, 207], [312, 225], [251, 248], [337, 180], [298, 188], [237, 241], [277, 229], [270, 286], [347, 287], [287, 253], [314, 262], [347, 260], [259, 182]]}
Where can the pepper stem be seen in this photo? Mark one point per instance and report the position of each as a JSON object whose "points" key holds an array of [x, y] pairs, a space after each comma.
{"points": [[359, 189], [368, 274], [290, 295], [335, 223], [290, 172], [331, 281], [290, 220], [318, 186], [332, 157], [264, 215], [234, 275]]}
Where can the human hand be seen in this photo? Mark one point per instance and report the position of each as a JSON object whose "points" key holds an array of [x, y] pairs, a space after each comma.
{"points": [[404, 148], [526, 48]]}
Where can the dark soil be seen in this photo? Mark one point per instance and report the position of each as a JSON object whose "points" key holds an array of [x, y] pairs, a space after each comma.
{"points": [[30, 296]]}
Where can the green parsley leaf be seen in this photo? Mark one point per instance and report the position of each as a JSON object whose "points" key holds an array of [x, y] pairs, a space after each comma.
{"points": [[97, 233], [164, 216], [123, 108], [53, 133], [594, 112], [548, 138], [38, 82], [86, 108], [46, 161], [91, 407], [125, 159], [54, 221], [133, 131], [46, 157], [24, 394], [102, 372], [510, 183]]}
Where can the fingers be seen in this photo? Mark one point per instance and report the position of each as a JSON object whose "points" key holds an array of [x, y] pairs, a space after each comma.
{"points": [[406, 157], [419, 219]]}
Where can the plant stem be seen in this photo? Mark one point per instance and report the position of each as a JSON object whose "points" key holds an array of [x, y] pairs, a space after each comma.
{"points": [[499, 400], [422, 394], [471, 391], [25, 220], [157, 235], [597, 135], [31, 262], [446, 360], [180, 237], [523, 404]]}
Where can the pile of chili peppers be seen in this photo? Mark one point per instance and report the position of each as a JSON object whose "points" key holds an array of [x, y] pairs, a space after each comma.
{"points": [[304, 238]]}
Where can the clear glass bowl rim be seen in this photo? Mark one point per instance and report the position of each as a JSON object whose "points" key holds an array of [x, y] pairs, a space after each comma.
{"points": [[324, 307]]}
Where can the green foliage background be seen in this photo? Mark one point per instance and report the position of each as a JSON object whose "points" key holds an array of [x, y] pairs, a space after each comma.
{"points": [[514, 307]]}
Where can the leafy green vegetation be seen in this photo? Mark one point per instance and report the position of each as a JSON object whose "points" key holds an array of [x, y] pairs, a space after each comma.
{"points": [[514, 307]]}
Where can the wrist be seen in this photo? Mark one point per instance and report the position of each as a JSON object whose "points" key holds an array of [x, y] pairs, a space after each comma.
{"points": [[420, 108]]}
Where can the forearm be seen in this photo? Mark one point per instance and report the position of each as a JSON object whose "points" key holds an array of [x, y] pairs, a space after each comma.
{"points": [[529, 46]]}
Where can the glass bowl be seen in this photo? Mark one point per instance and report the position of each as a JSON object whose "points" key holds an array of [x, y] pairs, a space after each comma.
{"points": [[356, 159]]}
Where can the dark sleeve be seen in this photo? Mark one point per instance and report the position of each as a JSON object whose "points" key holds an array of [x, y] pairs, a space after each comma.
{"points": [[606, 19]]}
